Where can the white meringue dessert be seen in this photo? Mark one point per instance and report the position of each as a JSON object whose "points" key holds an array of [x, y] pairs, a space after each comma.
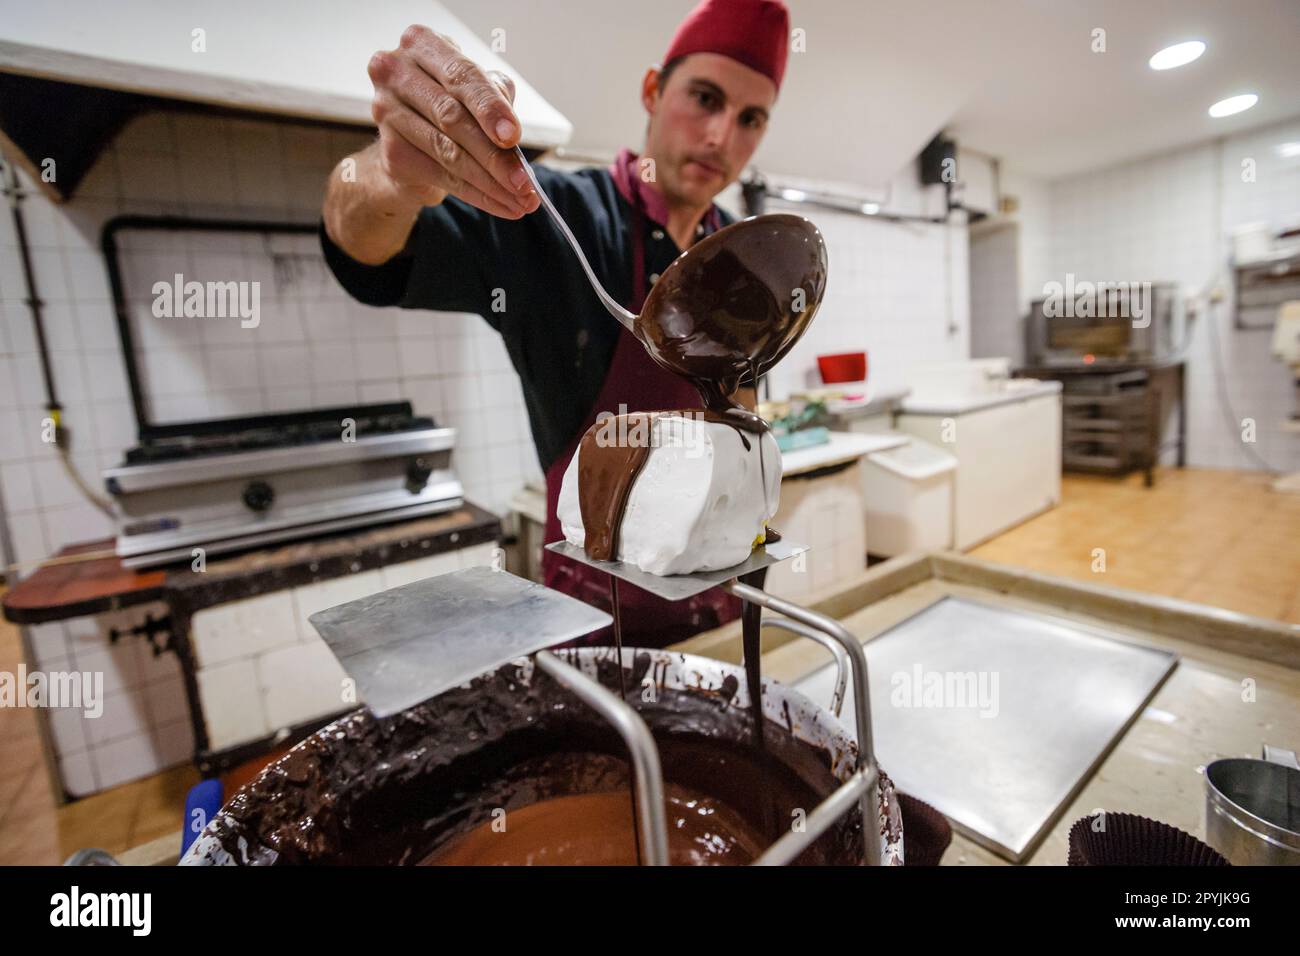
{"points": [[700, 502]]}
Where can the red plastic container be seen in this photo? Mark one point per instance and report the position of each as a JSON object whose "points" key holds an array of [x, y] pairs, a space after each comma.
{"points": [[844, 367]]}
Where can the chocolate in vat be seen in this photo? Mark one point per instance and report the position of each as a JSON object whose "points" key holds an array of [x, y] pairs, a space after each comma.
{"points": [[403, 789]]}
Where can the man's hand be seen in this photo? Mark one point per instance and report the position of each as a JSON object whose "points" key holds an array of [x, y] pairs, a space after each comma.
{"points": [[447, 127]]}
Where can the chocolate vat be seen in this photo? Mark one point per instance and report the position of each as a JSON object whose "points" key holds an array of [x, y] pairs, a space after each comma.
{"points": [[369, 791]]}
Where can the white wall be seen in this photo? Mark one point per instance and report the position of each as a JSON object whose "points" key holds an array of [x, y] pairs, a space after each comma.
{"points": [[1169, 218], [899, 290]]}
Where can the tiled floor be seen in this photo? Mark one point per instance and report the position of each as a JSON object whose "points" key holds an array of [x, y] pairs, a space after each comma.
{"points": [[34, 830], [1221, 538], [1218, 538]]}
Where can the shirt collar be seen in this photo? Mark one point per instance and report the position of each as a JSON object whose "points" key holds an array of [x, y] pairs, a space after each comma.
{"points": [[638, 193]]}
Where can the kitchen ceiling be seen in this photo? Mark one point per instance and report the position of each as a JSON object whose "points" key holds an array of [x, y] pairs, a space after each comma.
{"points": [[1013, 78], [1055, 108]]}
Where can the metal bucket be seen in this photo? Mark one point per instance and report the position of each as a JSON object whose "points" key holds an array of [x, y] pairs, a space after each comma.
{"points": [[412, 749], [1252, 810]]}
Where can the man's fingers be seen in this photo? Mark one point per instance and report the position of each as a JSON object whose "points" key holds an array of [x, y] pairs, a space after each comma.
{"points": [[456, 163], [504, 81], [418, 91], [465, 80]]}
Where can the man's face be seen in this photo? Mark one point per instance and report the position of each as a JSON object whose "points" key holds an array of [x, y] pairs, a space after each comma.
{"points": [[705, 124]]}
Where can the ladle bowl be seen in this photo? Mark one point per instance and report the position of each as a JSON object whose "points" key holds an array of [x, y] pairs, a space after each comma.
{"points": [[729, 307], [733, 305]]}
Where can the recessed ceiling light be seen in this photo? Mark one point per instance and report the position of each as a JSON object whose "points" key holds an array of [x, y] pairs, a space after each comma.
{"points": [[1234, 104], [1180, 54], [1288, 150], [871, 208]]}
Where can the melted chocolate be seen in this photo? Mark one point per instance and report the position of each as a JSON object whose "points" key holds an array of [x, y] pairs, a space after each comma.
{"points": [[595, 830], [734, 303], [369, 791]]}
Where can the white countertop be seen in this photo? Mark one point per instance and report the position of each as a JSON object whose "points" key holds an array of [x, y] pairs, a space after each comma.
{"points": [[963, 402], [843, 446]]}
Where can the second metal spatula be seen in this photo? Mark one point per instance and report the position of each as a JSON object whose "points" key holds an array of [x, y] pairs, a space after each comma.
{"points": [[410, 643]]}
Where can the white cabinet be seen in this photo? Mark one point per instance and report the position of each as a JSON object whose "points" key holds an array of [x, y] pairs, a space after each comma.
{"points": [[1008, 460]]}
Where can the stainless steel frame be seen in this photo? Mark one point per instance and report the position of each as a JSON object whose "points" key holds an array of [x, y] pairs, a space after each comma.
{"points": [[837, 651], [864, 784]]}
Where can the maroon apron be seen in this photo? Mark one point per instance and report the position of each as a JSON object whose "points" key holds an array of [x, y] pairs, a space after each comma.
{"points": [[634, 381]]}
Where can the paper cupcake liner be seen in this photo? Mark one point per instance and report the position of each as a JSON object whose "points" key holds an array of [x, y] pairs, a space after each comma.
{"points": [[1125, 839], [926, 832]]}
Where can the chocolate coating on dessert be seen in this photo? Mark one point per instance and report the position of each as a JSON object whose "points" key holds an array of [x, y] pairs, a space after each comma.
{"points": [[370, 791], [607, 470]]}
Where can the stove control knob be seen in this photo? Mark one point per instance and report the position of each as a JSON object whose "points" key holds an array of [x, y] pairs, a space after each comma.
{"points": [[418, 471], [258, 495]]}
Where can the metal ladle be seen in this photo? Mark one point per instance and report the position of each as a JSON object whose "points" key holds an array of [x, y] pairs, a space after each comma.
{"points": [[730, 306]]}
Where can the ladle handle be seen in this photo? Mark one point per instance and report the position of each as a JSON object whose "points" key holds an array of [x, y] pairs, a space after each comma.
{"points": [[614, 309]]}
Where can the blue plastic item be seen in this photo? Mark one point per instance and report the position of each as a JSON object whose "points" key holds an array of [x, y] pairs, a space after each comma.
{"points": [[201, 805]]}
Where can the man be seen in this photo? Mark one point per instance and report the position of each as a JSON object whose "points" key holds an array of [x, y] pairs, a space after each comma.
{"points": [[439, 215]]}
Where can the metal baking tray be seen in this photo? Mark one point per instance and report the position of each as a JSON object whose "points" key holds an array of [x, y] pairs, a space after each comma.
{"points": [[1001, 766]]}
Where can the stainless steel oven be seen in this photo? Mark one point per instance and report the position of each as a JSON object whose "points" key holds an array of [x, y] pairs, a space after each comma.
{"points": [[1089, 322]]}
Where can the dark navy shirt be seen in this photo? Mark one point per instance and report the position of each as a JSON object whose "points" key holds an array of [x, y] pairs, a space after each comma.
{"points": [[560, 338]]}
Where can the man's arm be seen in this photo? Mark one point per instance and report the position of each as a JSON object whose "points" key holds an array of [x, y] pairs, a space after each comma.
{"points": [[446, 127], [365, 214]]}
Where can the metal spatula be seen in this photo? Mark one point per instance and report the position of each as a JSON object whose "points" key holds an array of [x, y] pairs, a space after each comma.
{"points": [[408, 644]]}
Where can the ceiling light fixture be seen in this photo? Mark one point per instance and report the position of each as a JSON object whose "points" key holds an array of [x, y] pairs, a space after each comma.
{"points": [[1180, 54], [1234, 104]]}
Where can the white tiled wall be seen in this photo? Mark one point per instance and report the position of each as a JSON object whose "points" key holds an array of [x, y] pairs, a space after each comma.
{"points": [[145, 724], [899, 290], [1169, 218], [261, 668], [261, 665], [314, 346]]}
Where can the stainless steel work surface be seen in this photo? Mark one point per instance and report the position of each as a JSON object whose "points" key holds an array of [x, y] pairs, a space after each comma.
{"points": [[677, 587], [407, 644], [996, 716]]}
